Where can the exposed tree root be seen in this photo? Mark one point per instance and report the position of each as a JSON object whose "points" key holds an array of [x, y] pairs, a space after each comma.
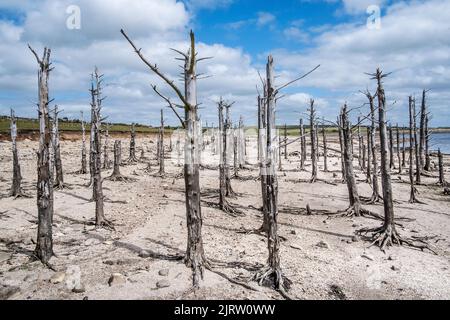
{"points": [[386, 236], [106, 225], [227, 208], [223, 275], [274, 279], [120, 178], [20, 194]]}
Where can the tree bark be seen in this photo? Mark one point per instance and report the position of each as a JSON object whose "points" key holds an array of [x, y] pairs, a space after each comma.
{"points": [[59, 181], [83, 147], [412, 145], [441, 169], [375, 186], [44, 242], [106, 162], [391, 148], [399, 158], [16, 188], [427, 145], [303, 146], [132, 158], [312, 119], [422, 133], [419, 165], [341, 145], [161, 155]]}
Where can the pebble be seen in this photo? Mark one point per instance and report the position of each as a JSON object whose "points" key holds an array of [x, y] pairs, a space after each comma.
{"points": [[116, 279], [163, 284], [164, 272], [58, 277], [323, 244]]}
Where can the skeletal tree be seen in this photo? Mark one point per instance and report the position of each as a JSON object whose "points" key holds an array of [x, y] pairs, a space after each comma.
{"points": [[412, 145], [325, 150], [44, 242], [285, 142], [369, 157], [427, 166], [403, 148], [312, 121], [360, 160], [161, 155], [16, 188], [227, 130], [59, 178], [303, 146], [236, 153], [241, 140], [416, 145], [195, 256], [399, 158], [100, 220], [422, 133], [262, 157], [386, 235], [391, 148], [83, 169], [132, 158], [441, 168], [106, 162], [341, 146], [116, 175], [375, 187]]}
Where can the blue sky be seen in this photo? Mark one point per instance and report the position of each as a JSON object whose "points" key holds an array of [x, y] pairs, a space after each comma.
{"points": [[412, 42]]}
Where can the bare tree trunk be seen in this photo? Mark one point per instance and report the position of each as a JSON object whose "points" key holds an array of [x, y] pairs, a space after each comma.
{"points": [[132, 158], [412, 197], [242, 144], [83, 146], [341, 145], [422, 134], [355, 204], [44, 242], [272, 274], [161, 146], [16, 188], [360, 160], [369, 158], [391, 148], [106, 162], [229, 190], [285, 142], [223, 156], [403, 148], [325, 150], [312, 119], [399, 158], [441, 169], [59, 181], [419, 166], [427, 146], [262, 159], [303, 146], [236, 154], [375, 187]]}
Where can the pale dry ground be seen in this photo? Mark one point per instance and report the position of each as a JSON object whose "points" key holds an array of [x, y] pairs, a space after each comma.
{"points": [[150, 214]]}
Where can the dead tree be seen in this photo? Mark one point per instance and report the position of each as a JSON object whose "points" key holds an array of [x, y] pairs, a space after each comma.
{"points": [[391, 148], [403, 148], [116, 175], [369, 158], [312, 124], [59, 178], [360, 160], [285, 142], [132, 158], [325, 150], [422, 133], [427, 166], [44, 242], [399, 158], [97, 186], [303, 146], [83, 169], [106, 162], [241, 140], [341, 146], [416, 146], [236, 153], [375, 187], [16, 188], [262, 158], [412, 144], [161, 154], [441, 169], [227, 131], [195, 256], [386, 235]]}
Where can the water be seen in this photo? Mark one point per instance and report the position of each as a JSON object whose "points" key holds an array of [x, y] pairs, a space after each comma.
{"points": [[440, 140]]}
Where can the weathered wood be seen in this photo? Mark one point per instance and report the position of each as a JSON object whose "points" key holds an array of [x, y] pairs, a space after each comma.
{"points": [[422, 133], [44, 242], [427, 166], [441, 169], [341, 146], [161, 154], [303, 146], [312, 120], [369, 157], [83, 169], [106, 161], [325, 149], [391, 148], [375, 186], [132, 158], [16, 188], [416, 146], [59, 178], [399, 158], [227, 131]]}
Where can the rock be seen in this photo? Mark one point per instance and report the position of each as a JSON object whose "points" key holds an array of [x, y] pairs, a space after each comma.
{"points": [[394, 268], [323, 244], [293, 232], [59, 234], [73, 277], [163, 284], [108, 243], [164, 272], [355, 239], [58, 277], [79, 288], [367, 256], [390, 258], [294, 246], [144, 254], [116, 279]]}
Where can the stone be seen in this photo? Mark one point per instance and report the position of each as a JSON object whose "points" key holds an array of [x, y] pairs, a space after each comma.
{"points": [[355, 239], [8, 292], [58, 277], [293, 232], [144, 254], [73, 277], [163, 284], [4, 256], [323, 244], [394, 268], [79, 288], [116, 279], [91, 242], [164, 272]]}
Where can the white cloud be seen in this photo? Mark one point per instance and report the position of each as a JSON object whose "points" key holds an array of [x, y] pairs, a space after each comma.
{"points": [[265, 18]]}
